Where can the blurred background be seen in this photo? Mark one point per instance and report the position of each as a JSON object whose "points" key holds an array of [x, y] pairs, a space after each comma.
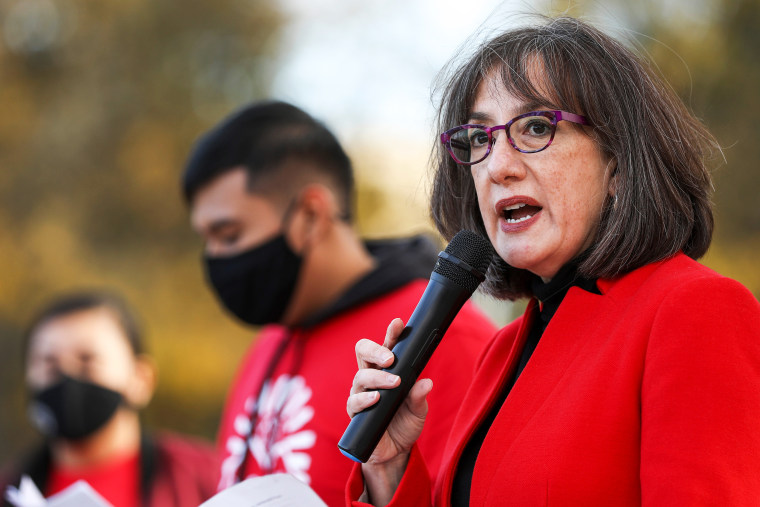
{"points": [[101, 101]]}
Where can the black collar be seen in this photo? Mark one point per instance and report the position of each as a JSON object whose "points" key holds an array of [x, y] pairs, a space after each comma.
{"points": [[551, 293]]}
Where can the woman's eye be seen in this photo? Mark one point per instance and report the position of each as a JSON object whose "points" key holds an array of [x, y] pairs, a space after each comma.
{"points": [[478, 138], [538, 128]]}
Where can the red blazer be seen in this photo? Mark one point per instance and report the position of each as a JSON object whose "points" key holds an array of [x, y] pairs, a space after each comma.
{"points": [[648, 394]]}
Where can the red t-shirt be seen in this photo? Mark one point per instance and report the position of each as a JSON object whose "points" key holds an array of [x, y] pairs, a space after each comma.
{"points": [[117, 481]]}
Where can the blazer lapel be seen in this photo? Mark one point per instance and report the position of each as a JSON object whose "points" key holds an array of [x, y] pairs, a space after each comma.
{"points": [[496, 367], [556, 351]]}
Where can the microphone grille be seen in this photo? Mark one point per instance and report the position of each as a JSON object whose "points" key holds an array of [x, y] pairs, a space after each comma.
{"points": [[474, 251]]}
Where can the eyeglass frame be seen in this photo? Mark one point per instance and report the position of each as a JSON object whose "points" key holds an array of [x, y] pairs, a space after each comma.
{"points": [[554, 116]]}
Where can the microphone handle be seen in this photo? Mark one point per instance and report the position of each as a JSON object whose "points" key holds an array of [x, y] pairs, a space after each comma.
{"points": [[435, 311]]}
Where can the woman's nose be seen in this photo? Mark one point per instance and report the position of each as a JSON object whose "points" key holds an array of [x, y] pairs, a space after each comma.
{"points": [[504, 162]]}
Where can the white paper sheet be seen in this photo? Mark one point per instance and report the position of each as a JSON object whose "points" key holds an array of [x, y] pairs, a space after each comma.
{"points": [[276, 490], [79, 494], [26, 495]]}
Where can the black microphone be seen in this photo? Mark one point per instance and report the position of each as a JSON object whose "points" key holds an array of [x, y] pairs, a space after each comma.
{"points": [[457, 273]]}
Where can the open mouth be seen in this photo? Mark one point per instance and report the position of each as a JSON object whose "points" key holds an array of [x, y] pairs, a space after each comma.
{"points": [[521, 212]]}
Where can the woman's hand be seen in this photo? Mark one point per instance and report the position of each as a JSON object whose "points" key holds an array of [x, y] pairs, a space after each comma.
{"points": [[386, 465]]}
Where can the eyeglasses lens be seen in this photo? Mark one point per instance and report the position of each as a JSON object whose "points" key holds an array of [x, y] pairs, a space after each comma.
{"points": [[532, 133], [470, 145]]}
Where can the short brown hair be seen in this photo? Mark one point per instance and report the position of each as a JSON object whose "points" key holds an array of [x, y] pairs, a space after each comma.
{"points": [[662, 186], [271, 139]]}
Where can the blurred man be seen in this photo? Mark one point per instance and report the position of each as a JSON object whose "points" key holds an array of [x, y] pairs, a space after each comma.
{"points": [[270, 192], [88, 376]]}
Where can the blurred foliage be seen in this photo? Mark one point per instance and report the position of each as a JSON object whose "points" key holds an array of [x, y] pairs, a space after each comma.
{"points": [[392, 192], [100, 103]]}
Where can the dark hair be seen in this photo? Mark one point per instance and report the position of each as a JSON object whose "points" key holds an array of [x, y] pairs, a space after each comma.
{"points": [[90, 300], [266, 137], [662, 186]]}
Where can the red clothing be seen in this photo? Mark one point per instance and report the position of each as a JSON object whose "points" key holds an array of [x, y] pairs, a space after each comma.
{"points": [[118, 481], [300, 413], [183, 472], [174, 471], [648, 394]]}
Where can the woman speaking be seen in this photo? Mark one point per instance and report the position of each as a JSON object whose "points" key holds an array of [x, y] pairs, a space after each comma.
{"points": [[633, 377]]}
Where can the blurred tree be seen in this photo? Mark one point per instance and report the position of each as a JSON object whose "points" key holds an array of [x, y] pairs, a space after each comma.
{"points": [[100, 104]]}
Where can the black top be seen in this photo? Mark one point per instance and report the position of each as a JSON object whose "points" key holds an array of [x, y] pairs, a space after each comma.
{"points": [[549, 295]]}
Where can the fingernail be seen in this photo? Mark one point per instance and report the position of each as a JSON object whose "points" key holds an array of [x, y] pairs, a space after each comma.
{"points": [[391, 378], [386, 357]]}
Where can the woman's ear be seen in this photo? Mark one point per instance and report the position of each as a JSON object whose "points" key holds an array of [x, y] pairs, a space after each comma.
{"points": [[611, 174], [140, 390]]}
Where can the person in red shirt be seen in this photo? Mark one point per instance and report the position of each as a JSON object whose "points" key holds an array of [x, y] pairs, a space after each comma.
{"points": [[89, 376], [270, 192], [633, 377]]}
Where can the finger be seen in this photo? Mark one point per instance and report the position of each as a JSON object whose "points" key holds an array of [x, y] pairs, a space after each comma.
{"points": [[417, 399], [369, 354], [393, 332], [408, 423], [370, 379], [359, 401]]}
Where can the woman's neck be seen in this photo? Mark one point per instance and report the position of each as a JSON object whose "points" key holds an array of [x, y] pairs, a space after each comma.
{"points": [[119, 437]]}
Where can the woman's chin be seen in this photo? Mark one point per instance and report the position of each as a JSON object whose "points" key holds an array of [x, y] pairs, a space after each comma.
{"points": [[519, 255], [543, 270]]}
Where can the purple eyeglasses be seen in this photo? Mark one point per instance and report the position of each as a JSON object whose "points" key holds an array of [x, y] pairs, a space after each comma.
{"points": [[470, 144]]}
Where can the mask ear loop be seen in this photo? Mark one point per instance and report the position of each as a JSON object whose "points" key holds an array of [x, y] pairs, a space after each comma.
{"points": [[287, 216]]}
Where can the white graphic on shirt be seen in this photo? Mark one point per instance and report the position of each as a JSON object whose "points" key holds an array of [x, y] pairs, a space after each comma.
{"points": [[280, 413]]}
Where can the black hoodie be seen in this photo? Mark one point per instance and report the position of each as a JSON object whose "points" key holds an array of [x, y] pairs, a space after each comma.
{"points": [[399, 261]]}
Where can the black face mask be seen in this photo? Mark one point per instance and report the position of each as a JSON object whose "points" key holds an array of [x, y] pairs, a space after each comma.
{"points": [[256, 285], [73, 409]]}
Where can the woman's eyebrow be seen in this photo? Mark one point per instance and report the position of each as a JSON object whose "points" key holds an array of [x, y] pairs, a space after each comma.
{"points": [[527, 107], [534, 106], [479, 117]]}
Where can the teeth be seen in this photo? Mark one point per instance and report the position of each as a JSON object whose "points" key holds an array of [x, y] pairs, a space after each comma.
{"points": [[515, 206], [518, 220]]}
